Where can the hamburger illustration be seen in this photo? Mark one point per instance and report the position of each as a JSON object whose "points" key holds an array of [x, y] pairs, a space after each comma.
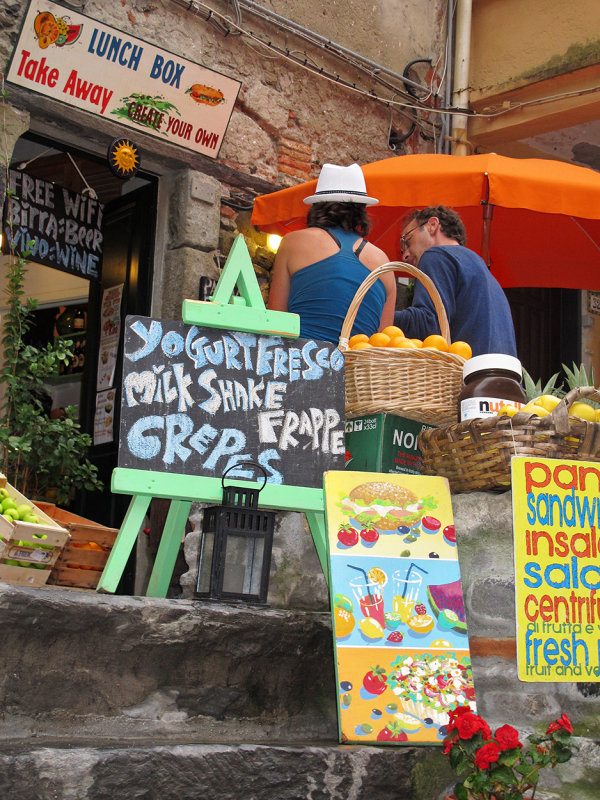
{"points": [[384, 505], [205, 94]]}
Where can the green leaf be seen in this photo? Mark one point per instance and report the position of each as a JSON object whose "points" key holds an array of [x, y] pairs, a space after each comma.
{"points": [[458, 760], [461, 792], [502, 774]]}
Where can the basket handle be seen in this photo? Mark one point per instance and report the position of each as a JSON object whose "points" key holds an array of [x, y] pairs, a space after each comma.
{"points": [[393, 266], [560, 414]]}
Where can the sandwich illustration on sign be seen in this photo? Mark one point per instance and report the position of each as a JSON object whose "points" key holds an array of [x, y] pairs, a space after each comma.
{"points": [[385, 506], [205, 94]]}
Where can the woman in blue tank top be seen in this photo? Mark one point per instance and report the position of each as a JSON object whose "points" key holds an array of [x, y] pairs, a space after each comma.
{"points": [[318, 270]]}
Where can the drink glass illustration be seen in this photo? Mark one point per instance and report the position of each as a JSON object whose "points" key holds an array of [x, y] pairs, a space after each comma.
{"points": [[406, 593], [370, 599]]}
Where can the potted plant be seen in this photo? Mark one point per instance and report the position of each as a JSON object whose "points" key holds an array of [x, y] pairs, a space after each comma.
{"points": [[43, 456], [498, 766]]}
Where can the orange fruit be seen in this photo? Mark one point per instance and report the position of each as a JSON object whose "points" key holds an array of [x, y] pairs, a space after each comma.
{"points": [[401, 341], [417, 342], [361, 346], [393, 330], [461, 349], [358, 337], [379, 340], [344, 622], [437, 341]]}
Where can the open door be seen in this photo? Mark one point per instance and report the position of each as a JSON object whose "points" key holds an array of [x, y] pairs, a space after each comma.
{"points": [[128, 228]]}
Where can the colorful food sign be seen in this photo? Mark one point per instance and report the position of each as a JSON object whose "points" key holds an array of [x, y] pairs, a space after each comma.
{"points": [[401, 645], [117, 76], [196, 401], [55, 226], [556, 508]]}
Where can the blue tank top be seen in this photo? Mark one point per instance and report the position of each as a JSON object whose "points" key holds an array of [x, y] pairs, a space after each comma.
{"points": [[321, 293]]}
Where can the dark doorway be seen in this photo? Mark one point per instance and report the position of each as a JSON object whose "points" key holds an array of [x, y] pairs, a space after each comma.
{"points": [[128, 229], [547, 327]]}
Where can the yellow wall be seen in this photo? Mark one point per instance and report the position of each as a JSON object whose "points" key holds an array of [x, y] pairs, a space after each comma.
{"points": [[516, 42]]}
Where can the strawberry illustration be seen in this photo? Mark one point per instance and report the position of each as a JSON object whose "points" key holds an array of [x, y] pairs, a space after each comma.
{"points": [[395, 636], [392, 733], [420, 609], [347, 535], [375, 681], [369, 535]]}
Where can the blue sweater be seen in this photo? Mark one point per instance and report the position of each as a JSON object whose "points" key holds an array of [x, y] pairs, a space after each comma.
{"points": [[321, 294], [477, 308]]}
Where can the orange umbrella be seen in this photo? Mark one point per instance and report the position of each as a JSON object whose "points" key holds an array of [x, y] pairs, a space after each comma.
{"points": [[536, 222]]}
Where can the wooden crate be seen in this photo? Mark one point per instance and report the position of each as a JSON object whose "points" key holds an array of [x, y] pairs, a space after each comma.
{"points": [[83, 558], [31, 544]]}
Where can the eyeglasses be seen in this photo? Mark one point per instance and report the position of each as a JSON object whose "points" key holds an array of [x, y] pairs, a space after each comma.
{"points": [[404, 241]]}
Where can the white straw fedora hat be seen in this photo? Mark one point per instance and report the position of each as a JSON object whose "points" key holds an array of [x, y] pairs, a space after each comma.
{"points": [[341, 185]]}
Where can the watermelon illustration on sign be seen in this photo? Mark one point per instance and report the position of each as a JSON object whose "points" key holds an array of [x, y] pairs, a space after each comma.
{"points": [[446, 601]]}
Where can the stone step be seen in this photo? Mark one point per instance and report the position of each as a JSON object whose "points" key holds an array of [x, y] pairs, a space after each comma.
{"points": [[218, 772], [78, 664]]}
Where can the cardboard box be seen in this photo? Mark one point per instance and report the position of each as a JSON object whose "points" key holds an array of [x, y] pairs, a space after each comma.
{"points": [[83, 558], [384, 443], [36, 547]]}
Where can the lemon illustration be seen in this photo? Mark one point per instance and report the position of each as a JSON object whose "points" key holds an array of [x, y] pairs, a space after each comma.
{"points": [[377, 575], [371, 628], [408, 723]]}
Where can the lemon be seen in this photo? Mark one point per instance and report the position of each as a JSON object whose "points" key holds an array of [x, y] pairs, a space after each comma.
{"points": [[371, 628], [547, 401], [443, 643], [377, 575], [532, 408], [507, 411], [598, 415], [408, 723], [583, 411]]}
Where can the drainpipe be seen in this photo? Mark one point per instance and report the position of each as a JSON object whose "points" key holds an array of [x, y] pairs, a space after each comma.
{"points": [[460, 97]]}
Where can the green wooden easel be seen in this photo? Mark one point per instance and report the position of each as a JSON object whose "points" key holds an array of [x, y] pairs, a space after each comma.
{"points": [[244, 313]]}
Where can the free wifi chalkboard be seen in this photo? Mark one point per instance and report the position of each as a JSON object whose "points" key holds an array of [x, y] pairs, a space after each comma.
{"points": [[198, 400], [57, 227]]}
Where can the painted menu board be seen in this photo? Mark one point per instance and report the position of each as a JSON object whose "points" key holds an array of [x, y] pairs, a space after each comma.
{"points": [[556, 517], [79, 61], [400, 634], [197, 401]]}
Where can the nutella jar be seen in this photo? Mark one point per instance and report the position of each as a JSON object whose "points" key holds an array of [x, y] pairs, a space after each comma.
{"points": [[490, 381]]}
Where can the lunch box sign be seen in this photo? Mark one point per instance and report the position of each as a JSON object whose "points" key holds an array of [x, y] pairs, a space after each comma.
{"points": [[88, 65]]}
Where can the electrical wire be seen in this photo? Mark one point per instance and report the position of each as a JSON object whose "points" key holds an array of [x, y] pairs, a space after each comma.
{"points": [[373, 73]]}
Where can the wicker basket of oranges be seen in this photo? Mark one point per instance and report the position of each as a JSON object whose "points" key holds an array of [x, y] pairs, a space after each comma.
{"points": [[421, 383]]}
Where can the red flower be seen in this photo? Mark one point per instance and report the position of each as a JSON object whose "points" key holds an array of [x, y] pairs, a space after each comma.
{"points": [[455, 714], [507, 738], [469, 724], [562, 722], [486, 755], [449, 743]]}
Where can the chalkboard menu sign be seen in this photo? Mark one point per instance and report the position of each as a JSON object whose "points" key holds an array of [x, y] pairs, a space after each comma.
{"points": [[197, 401], [64, 227]]}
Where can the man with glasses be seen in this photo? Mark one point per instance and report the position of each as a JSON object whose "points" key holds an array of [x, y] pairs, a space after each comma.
{"points": [[478, 312]]}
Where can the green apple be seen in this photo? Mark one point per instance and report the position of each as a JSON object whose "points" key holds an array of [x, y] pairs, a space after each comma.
{"points": [[8, 502], [11, 514], [23, 509], [3, 492]]}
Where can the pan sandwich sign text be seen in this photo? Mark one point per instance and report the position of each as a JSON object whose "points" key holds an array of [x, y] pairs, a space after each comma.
{"points": [[74, 59], [197, 401]]}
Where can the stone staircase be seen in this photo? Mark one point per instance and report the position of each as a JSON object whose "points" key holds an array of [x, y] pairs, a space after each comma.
{"points": [[131, 697]]}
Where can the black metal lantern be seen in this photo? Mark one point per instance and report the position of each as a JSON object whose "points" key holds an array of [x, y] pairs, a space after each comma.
{"points": [[237, 539]]}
